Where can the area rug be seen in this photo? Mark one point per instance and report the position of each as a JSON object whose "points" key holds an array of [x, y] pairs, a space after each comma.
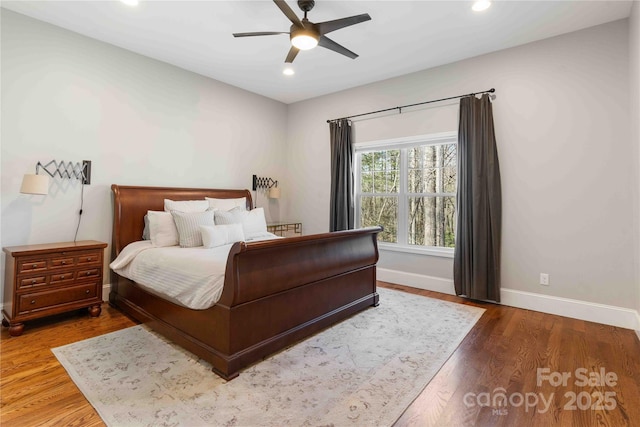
{"points": [[365, 371]]}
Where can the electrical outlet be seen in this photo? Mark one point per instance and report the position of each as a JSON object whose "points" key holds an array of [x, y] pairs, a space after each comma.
{"points": [[544, 279]]}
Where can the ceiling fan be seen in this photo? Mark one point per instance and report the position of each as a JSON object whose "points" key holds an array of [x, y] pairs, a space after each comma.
{"points": [[305, 34]]}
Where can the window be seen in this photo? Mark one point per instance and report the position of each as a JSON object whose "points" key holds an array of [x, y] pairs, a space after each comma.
{"points": [[408, 186]]}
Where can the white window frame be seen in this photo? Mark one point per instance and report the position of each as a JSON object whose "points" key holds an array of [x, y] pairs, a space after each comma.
{"points": [[402, 144]]}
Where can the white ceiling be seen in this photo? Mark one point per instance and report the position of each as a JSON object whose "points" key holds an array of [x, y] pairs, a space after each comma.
{"points": [[402, 36]]}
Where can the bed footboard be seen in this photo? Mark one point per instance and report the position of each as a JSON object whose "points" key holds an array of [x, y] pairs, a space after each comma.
{"points": [[279, 291]]}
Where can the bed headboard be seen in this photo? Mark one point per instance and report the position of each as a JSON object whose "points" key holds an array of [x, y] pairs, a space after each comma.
{"points": [[130, 205]]}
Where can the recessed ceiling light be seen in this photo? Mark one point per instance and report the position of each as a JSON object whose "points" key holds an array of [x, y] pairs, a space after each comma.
{"points": [[481, 5], [130, 2], [288, 71]]}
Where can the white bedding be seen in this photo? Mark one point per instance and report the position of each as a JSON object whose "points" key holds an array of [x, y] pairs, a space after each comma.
{"points": [[190, 277]]}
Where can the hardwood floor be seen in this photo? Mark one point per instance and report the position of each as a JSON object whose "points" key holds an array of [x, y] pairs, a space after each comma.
{"points": [[504, 350], [35, 390]]}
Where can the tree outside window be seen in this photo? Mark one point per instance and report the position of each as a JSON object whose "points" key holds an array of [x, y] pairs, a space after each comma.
{"points": [[380, 180], [410, 190]]}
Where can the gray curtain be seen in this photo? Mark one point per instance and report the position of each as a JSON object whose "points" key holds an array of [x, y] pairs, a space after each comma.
{"points": [[476, 266], [342, 204]]}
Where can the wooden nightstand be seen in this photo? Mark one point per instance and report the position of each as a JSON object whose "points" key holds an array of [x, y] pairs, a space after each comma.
{"points": [[41, 280]]}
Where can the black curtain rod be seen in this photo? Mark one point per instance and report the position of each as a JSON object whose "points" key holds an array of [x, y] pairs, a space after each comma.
{"points": [[492, 90]]}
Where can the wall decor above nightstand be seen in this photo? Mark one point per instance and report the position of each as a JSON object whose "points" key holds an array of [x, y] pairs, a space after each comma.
{"points": [[46, 279]]}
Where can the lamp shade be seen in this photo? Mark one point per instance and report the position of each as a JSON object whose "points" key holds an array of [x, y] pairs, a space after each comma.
{"points": [[35, 184], [274, 193]]}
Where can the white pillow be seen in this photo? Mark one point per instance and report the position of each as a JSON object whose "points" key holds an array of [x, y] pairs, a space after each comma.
{"points": [[162, 228], [253, 222], [188, 225], [218, 235], [234, 216], [227, 204], [185, 205]]}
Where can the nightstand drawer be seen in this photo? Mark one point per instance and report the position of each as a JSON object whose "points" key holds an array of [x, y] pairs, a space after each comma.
{"points": [[62, 277], [61, 262], [47, 299], [90, 258], [32, 265], [33, 281], [91, 272]]}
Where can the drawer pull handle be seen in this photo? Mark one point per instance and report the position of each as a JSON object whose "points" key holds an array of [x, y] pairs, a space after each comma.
{"points": [[33, 301], [87, 291], [89, 259], [64, 262], [33, 282], [35, 266], [88, 273]]}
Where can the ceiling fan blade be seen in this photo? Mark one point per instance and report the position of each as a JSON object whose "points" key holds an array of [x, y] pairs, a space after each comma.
{"points": [[284, 7], [292, 54], [327, 43], [328, 26], [260, 33]]}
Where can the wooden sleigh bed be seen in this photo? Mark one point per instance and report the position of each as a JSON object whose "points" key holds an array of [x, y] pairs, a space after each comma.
{"points": [[275, 292]]}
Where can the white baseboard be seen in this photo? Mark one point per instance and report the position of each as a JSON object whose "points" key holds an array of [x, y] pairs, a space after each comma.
{"points": [[429, 283], [106, 288], [583, 310], [576, 309]]}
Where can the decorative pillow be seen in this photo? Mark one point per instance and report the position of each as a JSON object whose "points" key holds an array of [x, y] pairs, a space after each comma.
{"points": [[185, 205], [253, 222], [227, 204], [188, 225], [218, 235], [145, 232], [233, 216], [162, 229]]}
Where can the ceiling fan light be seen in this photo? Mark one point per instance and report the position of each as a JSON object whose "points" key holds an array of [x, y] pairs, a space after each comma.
{"points": [[304, 40]]}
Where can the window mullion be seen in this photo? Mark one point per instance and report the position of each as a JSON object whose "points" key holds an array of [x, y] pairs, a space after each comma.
{"points": [[402, 198]]}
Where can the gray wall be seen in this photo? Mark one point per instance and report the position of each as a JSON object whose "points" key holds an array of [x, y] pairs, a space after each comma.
{"points": [[140, 121], [568, 170], [634, 61]]}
